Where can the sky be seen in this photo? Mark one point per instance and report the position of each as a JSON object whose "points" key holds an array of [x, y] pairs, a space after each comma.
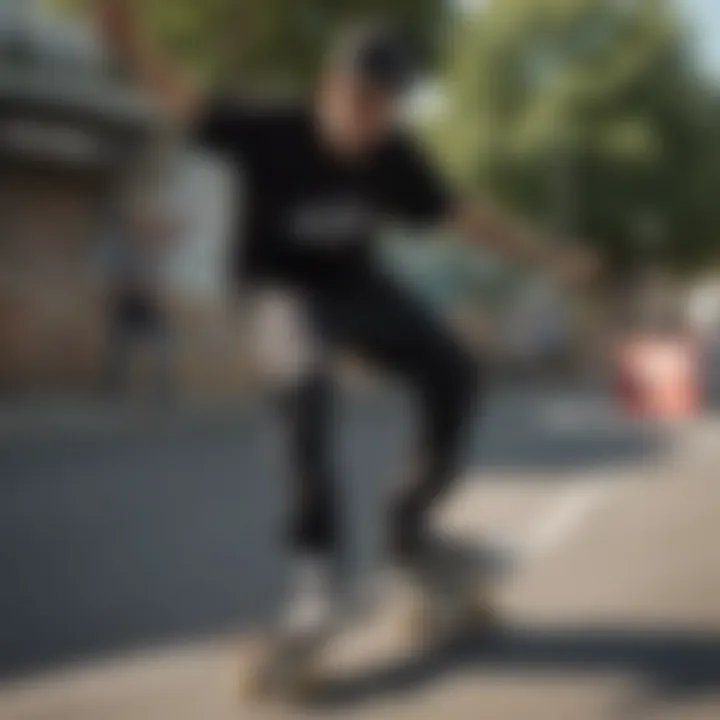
{"points": [[704, 16]]}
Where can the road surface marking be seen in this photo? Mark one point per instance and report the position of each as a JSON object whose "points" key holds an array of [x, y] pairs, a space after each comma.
{"points": [[564, 517]]}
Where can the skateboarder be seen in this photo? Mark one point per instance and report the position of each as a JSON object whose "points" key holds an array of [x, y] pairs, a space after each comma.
{"points": [[319, 179]]}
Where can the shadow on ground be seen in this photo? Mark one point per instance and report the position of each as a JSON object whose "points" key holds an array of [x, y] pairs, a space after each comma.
{"points": [[669, 664]]}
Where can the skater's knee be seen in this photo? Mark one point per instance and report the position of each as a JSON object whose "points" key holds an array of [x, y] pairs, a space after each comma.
{"points": [[314, 532], [457, 381]]}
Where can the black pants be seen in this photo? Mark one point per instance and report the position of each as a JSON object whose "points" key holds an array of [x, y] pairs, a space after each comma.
{"points": [[372, 317]]}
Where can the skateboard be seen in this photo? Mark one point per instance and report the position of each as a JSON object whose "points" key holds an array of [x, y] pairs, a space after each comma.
{"points": [[448, 594], [284, 668]]}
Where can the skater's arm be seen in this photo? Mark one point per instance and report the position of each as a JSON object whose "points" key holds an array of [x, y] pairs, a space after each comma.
{"points": [[415, 191], [121, 30], [217, 123], [516, 241]]}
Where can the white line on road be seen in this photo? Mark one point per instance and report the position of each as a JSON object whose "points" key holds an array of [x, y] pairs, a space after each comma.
{"points": [[565, 515]]}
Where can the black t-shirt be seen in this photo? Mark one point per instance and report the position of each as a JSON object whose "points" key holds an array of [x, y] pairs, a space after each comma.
{"points": [[308, 215]]}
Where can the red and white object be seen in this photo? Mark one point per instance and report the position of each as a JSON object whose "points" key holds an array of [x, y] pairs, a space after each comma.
{"points": [[657, 377]]}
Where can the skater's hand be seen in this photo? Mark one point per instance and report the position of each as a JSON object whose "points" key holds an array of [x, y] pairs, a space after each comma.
{"points": [[120, 27]]}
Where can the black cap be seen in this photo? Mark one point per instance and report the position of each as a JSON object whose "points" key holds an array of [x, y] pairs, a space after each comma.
{"points": [[377, 55]]}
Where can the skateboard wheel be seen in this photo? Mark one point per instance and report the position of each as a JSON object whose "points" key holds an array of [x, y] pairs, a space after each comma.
{"points": [[274, 675], [254, 677], [422, 626]]}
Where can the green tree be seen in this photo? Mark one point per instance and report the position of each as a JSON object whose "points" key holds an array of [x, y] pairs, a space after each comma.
{"points": [[587, 114]]}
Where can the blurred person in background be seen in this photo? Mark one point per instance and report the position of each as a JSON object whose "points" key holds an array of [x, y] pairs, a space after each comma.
{"points": [[320, 178], [134, 251]]}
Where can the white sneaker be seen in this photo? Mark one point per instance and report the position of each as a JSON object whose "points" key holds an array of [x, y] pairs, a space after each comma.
{"points": [[285, 661], [314, 597]]}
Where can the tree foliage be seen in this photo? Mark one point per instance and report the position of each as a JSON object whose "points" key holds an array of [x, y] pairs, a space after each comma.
{"points": [[589, 115]]}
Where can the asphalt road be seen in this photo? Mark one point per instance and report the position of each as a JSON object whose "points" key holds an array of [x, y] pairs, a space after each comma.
{"points": [[132, 531]]}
